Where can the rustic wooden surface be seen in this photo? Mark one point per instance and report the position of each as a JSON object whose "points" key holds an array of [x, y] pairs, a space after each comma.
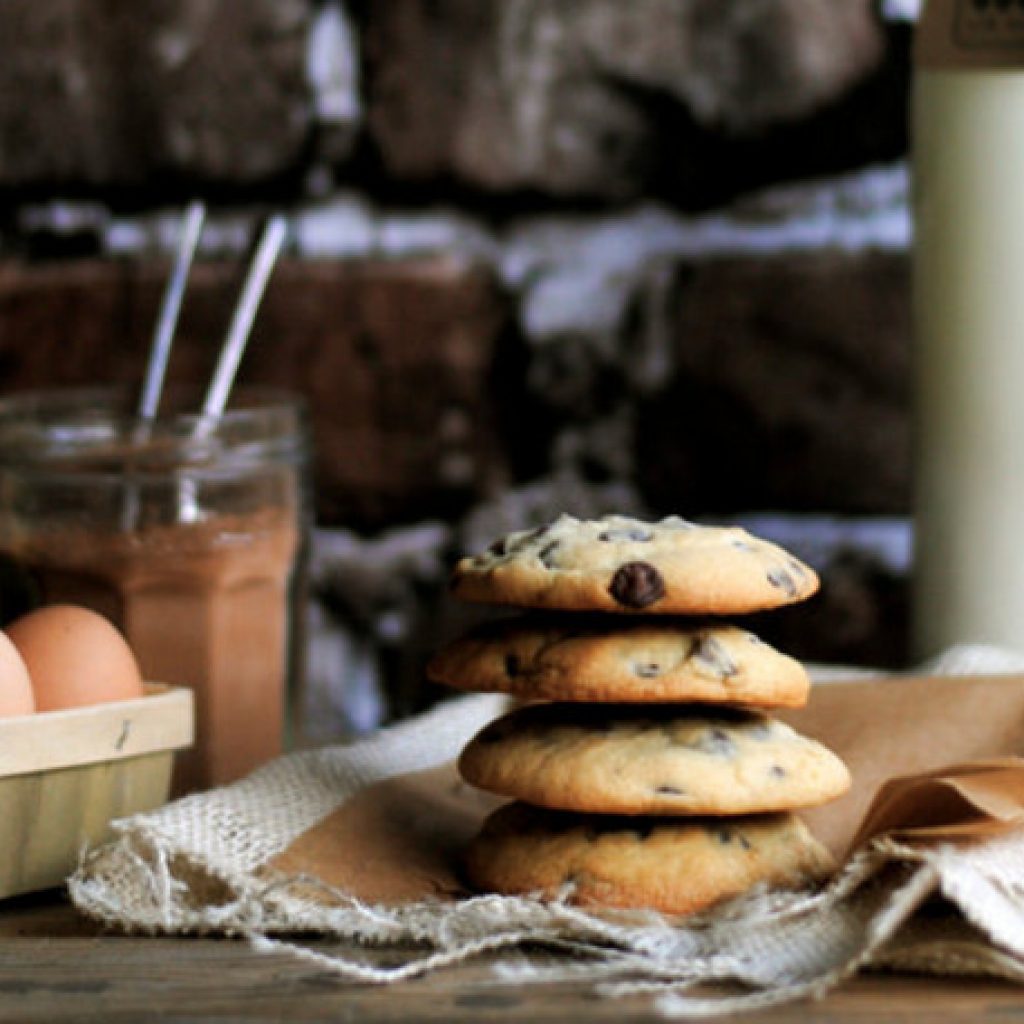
{"points": [[56, 967]]}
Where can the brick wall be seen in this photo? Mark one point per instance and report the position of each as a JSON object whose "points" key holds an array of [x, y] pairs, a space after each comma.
{"points": [[543, 255]]}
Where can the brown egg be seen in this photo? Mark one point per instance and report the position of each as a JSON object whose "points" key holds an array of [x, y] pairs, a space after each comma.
{"points": [[74, 657], [16, 697]]}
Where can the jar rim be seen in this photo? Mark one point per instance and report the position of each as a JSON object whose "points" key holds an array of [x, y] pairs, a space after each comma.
{"points": [[96, 430]]}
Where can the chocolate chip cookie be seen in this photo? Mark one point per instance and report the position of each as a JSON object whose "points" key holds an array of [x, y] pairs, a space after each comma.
{"points": [[618, 564], [677, 866], [595, 658], [651, 759]]}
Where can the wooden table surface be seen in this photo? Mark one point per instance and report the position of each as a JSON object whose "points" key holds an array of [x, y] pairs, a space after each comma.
{"points": [[55, 966]]}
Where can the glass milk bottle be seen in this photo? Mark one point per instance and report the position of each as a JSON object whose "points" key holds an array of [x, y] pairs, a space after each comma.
{"points": [[968, 167]]}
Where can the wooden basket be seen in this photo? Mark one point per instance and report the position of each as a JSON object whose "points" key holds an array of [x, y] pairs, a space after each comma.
{"points": [[65, 775]]}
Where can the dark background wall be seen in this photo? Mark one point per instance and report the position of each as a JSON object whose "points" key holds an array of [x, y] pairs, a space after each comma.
{"points": [[544, 255]]}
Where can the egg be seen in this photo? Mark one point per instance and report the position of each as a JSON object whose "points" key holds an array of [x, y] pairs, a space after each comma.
{"points": [[16, 696], [74, 657]]}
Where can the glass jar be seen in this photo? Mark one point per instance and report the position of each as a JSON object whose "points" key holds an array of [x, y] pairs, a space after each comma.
{"points": [[190, 535]]}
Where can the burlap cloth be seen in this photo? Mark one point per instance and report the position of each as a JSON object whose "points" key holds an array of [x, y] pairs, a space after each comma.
{"points": [[361, 842]]}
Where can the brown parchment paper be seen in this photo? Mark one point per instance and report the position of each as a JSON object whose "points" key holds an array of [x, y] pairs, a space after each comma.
{"points": [[933, 759]]}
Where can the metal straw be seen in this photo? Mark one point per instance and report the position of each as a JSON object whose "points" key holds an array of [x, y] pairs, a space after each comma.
{"points": [[233, 348], [245, 314], [160, 350], [167, 319]]}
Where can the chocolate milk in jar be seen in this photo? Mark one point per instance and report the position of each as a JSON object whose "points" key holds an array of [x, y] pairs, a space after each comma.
{"points": [[192, 540], [968, 281]]}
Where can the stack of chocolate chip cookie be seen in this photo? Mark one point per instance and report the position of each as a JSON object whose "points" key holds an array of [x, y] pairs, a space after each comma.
{"points": [[641, 772]]}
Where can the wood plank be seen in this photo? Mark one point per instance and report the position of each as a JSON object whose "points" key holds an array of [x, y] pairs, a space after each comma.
{"points": [[56, 967], [42, 914]]}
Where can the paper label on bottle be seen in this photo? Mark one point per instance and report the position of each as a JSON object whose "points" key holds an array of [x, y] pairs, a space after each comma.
{"points": [[970, 34]]}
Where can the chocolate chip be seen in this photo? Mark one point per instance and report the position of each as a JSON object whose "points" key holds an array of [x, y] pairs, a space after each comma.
{"points": [[637, 585], [716, 742], [781, 579], [499, 547], [777, 771], [512, 665], [547, 555], [669, 791], [648, 670], [710, 652], [724, 836], [630, 533], [517, 543], [744, 841], [743, 545], [797, 568]]}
